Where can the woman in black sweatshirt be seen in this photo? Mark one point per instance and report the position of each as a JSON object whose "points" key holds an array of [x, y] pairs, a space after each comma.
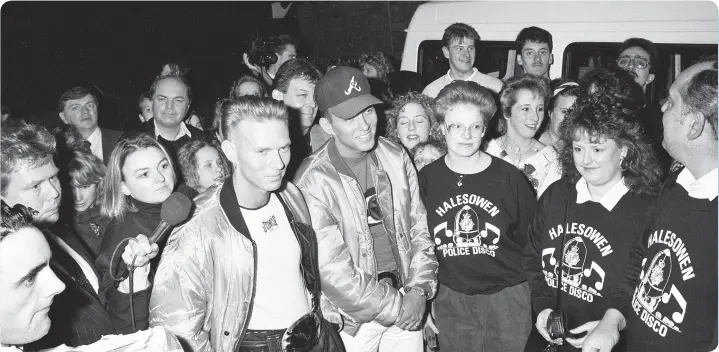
{"points": [[586, 223]]}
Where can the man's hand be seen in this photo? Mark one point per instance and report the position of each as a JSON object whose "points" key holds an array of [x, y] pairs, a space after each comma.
{"points": [[587, 327], [606, 334], [141, 251], [541, 326], [254, 68], [412, 311]]}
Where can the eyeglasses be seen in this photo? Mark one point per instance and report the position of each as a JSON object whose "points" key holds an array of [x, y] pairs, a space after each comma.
{"points": [[638, 61], [456, 130], [304, 334]]}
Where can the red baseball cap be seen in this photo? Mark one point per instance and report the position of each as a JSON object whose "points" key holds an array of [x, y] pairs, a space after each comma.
{"points": [[345, 92]]}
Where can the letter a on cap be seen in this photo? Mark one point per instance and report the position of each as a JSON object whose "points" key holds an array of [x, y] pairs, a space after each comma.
{"points": [[353, 85]]}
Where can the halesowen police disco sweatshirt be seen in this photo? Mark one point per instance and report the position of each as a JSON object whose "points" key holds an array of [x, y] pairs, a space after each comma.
{"points": [[668, 290], [596, 247], [479, 227]]}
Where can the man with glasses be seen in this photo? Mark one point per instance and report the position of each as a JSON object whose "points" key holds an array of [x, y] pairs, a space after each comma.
{"points": [[638, 57], [459, 47], [376, 256], [241, 275]]}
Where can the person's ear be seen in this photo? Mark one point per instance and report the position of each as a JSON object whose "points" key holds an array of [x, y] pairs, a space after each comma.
{"points": [[327, 126], [445, 51], [230, 152], [519, 60], [124, 189], [650, 79], [62, 117], [551, 59], [277, 95], [695, 122]]}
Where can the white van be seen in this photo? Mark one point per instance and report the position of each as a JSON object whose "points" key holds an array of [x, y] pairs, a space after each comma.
{"points": [[586, 34]]}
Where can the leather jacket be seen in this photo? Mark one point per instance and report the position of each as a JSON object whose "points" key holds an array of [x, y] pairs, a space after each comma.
{"points": [[351, 293], [205, 284]]}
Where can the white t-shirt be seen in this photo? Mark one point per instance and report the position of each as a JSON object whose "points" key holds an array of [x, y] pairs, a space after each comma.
{"points": [[486, 81], [280, 294]]}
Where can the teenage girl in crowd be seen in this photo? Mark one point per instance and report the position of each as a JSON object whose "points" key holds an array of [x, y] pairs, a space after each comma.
{"points": [[586, 222], [478, 209], [564, 93], [411, 120], [86, 173], [203, 165], [523, 100]]}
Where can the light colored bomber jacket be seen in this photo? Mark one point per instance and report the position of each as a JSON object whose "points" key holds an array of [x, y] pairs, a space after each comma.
{"points": [[351, 294], [205, 284]]}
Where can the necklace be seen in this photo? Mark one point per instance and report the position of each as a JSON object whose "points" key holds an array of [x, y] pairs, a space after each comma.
{"points": [[460, 177], [516, 150]]}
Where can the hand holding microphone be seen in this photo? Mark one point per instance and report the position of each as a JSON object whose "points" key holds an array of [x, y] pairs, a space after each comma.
{"points": [[175, 209]]}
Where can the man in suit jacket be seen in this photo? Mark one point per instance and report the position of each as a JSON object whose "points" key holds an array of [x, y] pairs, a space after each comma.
{"points": [[28, 176], [171, 97], [77, 107]]}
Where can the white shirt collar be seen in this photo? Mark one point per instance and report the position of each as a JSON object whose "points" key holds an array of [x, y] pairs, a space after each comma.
{"points": [[609, 201], [475, 71], [183, 131], [95, 140], [703, 188]]}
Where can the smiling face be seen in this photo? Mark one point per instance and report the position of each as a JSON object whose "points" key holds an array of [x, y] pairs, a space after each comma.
{"points": [[527, 114], [461, 54], [27, 286], [37, 188], [463, 117], [598, 159], [209, 168], [355, 136], [412, 125], [148, 176]]}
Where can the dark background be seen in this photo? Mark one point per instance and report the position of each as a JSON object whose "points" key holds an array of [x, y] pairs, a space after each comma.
{"points": [[117, 48]]}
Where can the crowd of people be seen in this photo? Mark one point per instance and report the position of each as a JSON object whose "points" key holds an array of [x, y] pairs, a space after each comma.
{"points": [[353, 208]]}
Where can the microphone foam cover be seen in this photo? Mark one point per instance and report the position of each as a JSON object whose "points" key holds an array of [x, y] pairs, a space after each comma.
{"points": [[175, 209]]}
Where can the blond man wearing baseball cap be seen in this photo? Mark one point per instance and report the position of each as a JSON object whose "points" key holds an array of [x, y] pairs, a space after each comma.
{"points": [[376, 257]]}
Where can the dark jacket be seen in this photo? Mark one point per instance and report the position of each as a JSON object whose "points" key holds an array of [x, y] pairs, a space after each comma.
{"points": [[109, 140], [80, 316]]}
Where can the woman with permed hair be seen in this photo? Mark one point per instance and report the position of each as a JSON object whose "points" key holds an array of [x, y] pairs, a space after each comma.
{"points": [[586, 223], [411, 120]]}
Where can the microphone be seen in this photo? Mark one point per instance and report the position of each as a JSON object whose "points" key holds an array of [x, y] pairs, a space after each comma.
{"points": [[175, 209]]}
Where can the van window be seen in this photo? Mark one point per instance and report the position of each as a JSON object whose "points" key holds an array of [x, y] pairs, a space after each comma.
{"points": [[580, 58], [492, 58]]}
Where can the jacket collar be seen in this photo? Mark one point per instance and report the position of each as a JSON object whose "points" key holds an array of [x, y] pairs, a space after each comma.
{"points": [[339, 163], [228, 202]]}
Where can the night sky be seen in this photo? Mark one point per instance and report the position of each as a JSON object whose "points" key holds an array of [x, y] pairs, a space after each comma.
{"points": [[119, 47]]}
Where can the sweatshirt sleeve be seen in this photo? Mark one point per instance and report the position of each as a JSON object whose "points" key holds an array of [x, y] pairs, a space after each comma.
{"points": [[542, 294], [526, 203], [620, 296]]}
